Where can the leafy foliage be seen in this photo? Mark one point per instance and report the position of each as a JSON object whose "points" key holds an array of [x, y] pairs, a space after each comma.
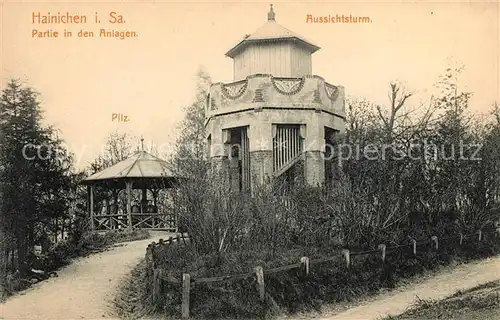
{"points": [[37, 174]]}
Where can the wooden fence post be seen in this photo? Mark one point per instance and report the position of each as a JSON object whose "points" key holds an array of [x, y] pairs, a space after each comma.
{"points": [[186, 288], [169, 240], [480, 235], [149, 254], [382, 248], [305, 265], [153, 254], [259, 272], [435, 239], [461, 238], [414, 242], [347, 256], [156, 284]]}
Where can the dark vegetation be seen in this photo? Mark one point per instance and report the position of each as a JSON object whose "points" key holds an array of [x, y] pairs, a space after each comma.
{"points": [[366, 202], [42, 203]]}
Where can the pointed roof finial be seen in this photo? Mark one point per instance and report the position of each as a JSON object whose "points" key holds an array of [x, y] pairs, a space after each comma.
{"points": [[142, 143], [271, 15]]}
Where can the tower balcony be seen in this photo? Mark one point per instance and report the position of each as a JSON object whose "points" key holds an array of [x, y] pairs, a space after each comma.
{"points": [[263, 91]]}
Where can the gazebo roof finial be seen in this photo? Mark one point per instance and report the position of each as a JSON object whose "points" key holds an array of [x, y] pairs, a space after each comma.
{"points": [[142, 143], [271, 16]]}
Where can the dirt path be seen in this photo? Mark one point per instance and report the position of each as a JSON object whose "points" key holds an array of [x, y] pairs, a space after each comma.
{"points": [[445, 283], [82, 290]]}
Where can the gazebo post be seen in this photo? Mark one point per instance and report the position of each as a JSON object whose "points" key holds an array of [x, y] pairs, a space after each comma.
{"points": [[156, 220], [90, 190], [114, 209], [144, 197], [155, 197], [129, 205], [176, 193], [106, 202]]}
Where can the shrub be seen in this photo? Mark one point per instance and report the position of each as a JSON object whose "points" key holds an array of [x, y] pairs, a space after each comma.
{"points": [[14, 283]]}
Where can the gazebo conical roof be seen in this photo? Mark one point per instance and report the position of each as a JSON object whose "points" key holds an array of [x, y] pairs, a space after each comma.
{"points": [[140, 166]]}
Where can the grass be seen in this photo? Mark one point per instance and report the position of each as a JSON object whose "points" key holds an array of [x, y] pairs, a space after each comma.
{"points": [[481, 302], [133, 292]]}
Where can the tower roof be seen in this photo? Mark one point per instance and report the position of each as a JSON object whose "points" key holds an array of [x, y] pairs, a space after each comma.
{"points": [[271, 31]]}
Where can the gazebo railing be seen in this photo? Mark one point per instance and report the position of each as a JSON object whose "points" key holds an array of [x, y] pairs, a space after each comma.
{"points": [[151, 221], [157, 221], [110, 221]]}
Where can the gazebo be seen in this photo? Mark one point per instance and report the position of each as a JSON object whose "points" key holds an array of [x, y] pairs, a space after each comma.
{"points": [[141, 171]]}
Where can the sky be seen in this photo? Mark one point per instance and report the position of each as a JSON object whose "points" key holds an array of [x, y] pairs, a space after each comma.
{"points": [[151, 77]]}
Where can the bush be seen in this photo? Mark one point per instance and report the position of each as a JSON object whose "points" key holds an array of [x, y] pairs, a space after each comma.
{"points": [[14, 283]]}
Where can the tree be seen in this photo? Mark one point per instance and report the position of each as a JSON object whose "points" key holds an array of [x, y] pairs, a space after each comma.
{"points": [[451, 131], [118, 147], [190, 161], [491, 158], [36, 171], [190, 156], [397, 98], [3, 235]]}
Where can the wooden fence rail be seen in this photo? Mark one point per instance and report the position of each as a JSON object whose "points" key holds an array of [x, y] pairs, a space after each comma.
{"points": [[259, 272]]}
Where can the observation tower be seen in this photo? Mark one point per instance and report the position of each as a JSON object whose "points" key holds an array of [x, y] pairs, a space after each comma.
{"points": [[273, 120]]}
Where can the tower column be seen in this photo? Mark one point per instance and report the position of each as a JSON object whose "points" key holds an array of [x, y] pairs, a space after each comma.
{"points": [[261, 151], [234, 173], [314, 168], [219, 152]]}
